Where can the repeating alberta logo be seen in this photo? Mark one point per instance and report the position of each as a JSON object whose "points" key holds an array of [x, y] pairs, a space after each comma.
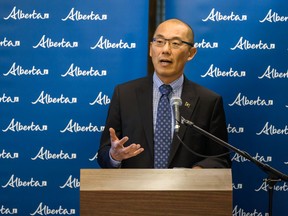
{"points": [[101, 99], [18, 70], [244, 44], [17, 182], [270, 129], [242, 100], [18, 14], [45, 98], [279, 187], [8, 155], [272, 73], [217, 72], [206, 45], [273, 17], [104, 43], [17, 126], [43, 209], [46, 154], [217, 16], [234, 130], [9, 43], [9, 99], [46, 43], [76, 71], [8, 210], [237, 211], [71, 183], [75, 127], [238, 186], [76, 15], [240, 159], [94, 157]]}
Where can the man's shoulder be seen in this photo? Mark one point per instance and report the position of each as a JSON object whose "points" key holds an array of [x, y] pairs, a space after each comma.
{"points": [[199, 89], [136, 82]]}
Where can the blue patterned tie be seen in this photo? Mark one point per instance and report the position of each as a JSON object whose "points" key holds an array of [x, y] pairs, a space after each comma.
{"points": [[162, 137]]}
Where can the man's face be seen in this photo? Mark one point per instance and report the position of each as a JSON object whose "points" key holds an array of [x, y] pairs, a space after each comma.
{"points": [[169, 62]]}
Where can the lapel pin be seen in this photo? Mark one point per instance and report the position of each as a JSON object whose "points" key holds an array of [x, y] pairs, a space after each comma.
{"points": [[187, 104]]}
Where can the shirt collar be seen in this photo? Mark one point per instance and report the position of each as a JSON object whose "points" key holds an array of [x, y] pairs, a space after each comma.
{"points": [[175, 84]]}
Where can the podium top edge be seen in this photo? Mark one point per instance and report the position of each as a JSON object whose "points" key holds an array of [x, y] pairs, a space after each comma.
{"points": [[155, 179]]}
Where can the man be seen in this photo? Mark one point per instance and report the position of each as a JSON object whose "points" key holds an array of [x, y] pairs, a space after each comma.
{"points": [[129, 139]]}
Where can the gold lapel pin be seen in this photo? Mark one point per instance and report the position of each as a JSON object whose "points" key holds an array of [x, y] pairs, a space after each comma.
{"points": [[187, 104]]}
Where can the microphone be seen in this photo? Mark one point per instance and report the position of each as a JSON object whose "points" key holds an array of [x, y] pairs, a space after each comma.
{"points": [[176, 102]]}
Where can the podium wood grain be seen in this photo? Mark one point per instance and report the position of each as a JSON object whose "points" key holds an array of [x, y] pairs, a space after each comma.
{"points": [[155, 192]]}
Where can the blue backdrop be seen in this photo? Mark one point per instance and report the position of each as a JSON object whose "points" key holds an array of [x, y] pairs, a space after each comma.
{"points": [[59, 63], [242, 54]]}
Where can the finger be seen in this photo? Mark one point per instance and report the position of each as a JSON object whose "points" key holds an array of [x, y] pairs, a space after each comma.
{"points": [[126, 152], [137, 152], [113, 135], [132, 150], [122, 141], [132, 147], [115, 139], [133, 153]]}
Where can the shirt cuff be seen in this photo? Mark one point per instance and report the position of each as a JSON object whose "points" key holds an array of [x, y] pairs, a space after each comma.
{"points": [[114, 163]]}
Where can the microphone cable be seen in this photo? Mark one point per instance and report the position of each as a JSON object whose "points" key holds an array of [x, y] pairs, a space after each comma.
{"points": [[197, 154]]}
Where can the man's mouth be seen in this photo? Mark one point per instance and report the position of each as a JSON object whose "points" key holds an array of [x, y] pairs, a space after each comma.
{"points": [[165, 62]]}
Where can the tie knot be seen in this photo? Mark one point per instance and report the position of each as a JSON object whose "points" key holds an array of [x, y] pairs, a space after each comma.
{"points": [[165, 89]]}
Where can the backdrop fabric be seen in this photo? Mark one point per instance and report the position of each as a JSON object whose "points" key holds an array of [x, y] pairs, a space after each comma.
{"points": [[59, 64], [242, 55]]}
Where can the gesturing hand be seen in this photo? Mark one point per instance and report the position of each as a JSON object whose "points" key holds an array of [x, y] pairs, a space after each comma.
{"points": [[118, 152]]}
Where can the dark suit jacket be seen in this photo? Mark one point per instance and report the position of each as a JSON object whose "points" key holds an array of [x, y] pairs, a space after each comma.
{"points": [[131, 114]]}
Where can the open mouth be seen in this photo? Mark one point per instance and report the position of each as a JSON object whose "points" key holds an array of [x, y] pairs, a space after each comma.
{"points": [[165, 62]]}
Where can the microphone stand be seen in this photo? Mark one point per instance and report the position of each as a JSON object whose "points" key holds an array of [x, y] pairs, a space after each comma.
{"points": [[274, 175]]}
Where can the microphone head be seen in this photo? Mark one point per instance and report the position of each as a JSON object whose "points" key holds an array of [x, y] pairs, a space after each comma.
{"points": [[175, 100]]}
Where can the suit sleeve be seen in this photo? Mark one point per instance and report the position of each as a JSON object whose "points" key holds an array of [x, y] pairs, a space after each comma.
{"points": [[113, 120]]}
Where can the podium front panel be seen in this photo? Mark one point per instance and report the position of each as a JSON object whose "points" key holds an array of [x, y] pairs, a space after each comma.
{"points": [[156, 192]]}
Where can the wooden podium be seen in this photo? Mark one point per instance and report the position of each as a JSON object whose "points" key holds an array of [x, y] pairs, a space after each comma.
{"points": [[155, 192]]}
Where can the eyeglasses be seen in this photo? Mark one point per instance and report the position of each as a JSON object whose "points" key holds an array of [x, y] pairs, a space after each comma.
{"points": [[174, 43]]}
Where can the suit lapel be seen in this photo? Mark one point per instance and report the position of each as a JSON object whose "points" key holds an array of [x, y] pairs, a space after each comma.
{"points": [[144, 94], [189, 101]]}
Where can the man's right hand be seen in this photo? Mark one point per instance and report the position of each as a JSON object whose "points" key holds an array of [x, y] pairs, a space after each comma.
{"points": [[118, 152]]}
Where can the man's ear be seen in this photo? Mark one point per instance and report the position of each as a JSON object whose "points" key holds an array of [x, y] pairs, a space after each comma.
{"points": [[150, 49], [192, 53]]}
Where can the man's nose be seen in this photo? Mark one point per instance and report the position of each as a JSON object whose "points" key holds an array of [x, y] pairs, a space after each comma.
{"points": [[167, 46]]}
